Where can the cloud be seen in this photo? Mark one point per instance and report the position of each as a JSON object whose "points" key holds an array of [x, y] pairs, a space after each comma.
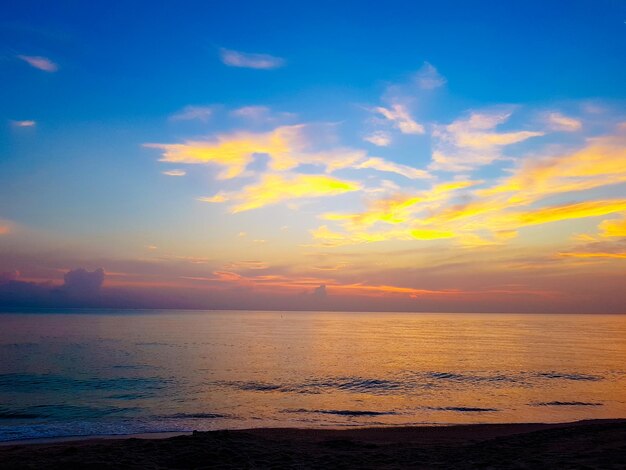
{"points": [[81, 282], [174, 172], [391, 167], [613, 228], [594, 255], [9, 276], [261, 115], [320, 292], [559, 122], [189, 113], [468, 143], [275, 188], [428, 78], [598, 251], [234, 58], [571, 211], [41, 63], [399, 115], [254, 113], [379, 138], [27, 123], [286, 146], [600, 162], [235, 151], [398, 209], [80, 288]]}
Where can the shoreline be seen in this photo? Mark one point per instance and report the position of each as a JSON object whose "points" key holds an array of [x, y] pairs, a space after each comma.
{"points": [[590, 443], [158, 435]]}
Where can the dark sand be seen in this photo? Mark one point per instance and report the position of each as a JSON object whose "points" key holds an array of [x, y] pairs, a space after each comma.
{"points": [[585, 444]]}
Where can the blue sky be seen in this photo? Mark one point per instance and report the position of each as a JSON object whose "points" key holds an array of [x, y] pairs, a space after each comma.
{"points": [[94, 95]]}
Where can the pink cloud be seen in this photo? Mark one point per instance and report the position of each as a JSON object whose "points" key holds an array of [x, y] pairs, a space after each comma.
{"points": [[41, 63]]}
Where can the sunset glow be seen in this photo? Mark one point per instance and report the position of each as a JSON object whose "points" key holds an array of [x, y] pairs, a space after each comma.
{"points": [[392, 166]]}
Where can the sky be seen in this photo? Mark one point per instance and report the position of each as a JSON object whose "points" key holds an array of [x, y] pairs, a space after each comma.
{"points": [[446, 156]]}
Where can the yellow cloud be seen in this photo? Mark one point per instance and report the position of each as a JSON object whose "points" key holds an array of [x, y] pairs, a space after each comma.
{"points": [[601, 162], [613, 228], [274, 188], [392, 210], [571, 211], [422, 234], [286, 146], [235, 151]]}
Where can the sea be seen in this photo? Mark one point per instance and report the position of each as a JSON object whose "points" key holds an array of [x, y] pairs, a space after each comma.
{"points": [[99, 372]]}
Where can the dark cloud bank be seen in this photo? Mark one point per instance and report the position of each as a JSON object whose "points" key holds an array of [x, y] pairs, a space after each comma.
{"points": [[82, 288]]}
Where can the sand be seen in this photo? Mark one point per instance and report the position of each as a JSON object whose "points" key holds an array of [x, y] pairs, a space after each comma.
{"points": [[584, 444]]}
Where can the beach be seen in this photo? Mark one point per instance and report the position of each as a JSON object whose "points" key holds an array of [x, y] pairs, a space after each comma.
{"points": [[582, 444]]}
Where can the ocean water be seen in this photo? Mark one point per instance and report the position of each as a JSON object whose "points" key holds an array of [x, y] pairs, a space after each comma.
{"points": [[120, 372]]}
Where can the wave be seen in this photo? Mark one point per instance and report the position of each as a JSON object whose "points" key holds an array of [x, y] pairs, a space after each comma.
{"points": [[462, 409], [570, 376], [567, 403], [343, 412]]}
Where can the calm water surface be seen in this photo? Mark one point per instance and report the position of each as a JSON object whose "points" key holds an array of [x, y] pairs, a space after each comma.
{"points": [[129, 372]]}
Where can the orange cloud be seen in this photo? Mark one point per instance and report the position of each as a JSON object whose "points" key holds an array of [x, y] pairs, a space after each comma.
{"points": [[594, 255]]}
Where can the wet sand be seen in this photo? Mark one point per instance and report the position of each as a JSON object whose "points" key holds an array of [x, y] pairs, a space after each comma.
{"points": [[584, 444]]}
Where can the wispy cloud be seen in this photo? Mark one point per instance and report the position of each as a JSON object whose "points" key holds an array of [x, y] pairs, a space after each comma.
{"points": [[251, 112], [174, 172], [391, 167], [41, 63], [379, 138], [262, 115], [468, 143], [560, 122], [428, 78], [188, 113], [27, 123], [399, 115], [234, 58]]}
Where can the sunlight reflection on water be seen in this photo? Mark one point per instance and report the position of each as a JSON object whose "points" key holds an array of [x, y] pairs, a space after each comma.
{"points": [[109, 372]]}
